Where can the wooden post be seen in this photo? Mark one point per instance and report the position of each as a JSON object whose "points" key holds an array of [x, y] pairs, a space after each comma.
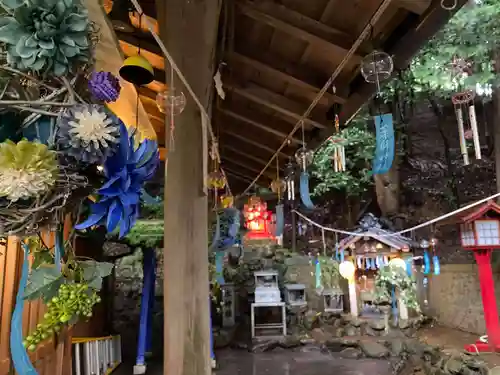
{"points": [[189, 30]]}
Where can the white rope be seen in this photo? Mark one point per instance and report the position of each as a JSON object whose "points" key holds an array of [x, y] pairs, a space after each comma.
{"points": [[419, 226], [173, 65], [366, 31]]}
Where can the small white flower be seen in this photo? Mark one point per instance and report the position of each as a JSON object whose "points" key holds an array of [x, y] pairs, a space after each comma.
{"points": [[92, 126]]}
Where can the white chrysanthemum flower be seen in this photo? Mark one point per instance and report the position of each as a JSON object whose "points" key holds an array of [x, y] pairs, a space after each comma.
{"points": [[92, 126], [24, 184]]}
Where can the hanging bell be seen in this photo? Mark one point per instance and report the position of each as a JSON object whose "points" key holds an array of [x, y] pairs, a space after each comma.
{"points": [[278, 186], [137, 70], [227, 201], [216, 180], [171, 101], [304, 157]]}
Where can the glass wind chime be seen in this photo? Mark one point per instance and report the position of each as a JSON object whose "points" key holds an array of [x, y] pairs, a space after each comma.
{"points": [[290, 182], [463, 102]]}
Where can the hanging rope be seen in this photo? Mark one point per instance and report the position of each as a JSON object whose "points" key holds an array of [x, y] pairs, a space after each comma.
{"points": [[419, 226]]}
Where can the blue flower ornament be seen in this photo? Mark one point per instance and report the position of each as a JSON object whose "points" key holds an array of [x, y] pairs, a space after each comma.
{"points": [[126, 172]]}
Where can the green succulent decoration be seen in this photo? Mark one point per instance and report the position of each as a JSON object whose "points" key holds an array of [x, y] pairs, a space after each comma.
{"points": [[390, 277], [27, 170], [45, 36]]}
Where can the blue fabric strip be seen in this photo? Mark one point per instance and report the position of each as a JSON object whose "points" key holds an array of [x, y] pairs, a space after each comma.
{"points": [[427, 263], [409, 266], [20, 358], [394, 305], [59, 248], [437, 268], [304, 191], [384, 152], [280, 220]]}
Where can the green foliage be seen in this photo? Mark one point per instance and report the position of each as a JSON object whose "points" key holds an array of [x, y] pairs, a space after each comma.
{"points": [[146, 233], [330, 275], [359, 150], [390, 277]]}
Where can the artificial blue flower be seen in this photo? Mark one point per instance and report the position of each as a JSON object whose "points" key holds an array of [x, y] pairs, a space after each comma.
{"points": [[126, 172]]}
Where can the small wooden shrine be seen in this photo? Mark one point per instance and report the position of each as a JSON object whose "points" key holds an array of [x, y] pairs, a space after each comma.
{"points": [[371, 248]]}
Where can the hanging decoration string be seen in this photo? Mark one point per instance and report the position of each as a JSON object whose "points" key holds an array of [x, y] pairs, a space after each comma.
{"points": [[171, 136], [376, 16], [419, 226], [206, 124]]}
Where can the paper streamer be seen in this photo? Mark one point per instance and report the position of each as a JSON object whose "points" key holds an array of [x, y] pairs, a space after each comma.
{"points": [[280, 220], [427, 263], [318, 274], [304, 191], [437, 268], [59, 249], [409, 266], [216, 236], [20, 358], [384, 153], [394, 305]]}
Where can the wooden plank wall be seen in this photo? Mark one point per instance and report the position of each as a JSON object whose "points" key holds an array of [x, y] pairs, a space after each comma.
{"points": [[52, 357]]}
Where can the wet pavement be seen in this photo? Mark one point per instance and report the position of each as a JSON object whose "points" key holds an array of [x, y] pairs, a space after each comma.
{"points": [[239, 362]]}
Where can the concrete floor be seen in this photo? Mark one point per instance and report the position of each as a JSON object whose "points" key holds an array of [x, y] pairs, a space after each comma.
{"points": [[239, 362]]}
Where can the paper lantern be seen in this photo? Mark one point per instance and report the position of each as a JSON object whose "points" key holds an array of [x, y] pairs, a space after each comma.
{"points": [[347, 270], [377, 67]]}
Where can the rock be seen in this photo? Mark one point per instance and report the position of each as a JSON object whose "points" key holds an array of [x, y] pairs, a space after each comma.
{"points": [[350, 331], [377, 325], [349, 342], [397, 347], [319, 335], [311, 319], [264, 346], [356, 322], [335, 345], [351, 353], [403, 324], [223, 338], [290, 342], [373, 349], [339, 332], [369, 331], [454, 366]]}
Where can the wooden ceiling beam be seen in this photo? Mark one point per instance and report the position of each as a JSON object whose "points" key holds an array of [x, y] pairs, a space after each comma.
{"points": [[416, 6], [281, 135], [238, 176], [237, 151], [327, 99], [253, 143], [296, 25], [238, 164], [292, 111], [142, 39]]}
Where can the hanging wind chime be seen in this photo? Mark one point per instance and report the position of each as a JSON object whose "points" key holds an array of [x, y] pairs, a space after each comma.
{"points": [[304, 159], [338, 159], [290, 182], [279, 186], [463, 102]]}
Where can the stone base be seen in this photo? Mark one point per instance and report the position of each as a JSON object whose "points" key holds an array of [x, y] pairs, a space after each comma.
{"points": [[139, 369]]}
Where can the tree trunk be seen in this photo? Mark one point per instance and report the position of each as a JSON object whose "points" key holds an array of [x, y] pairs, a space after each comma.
{"points": [[189, 30]]}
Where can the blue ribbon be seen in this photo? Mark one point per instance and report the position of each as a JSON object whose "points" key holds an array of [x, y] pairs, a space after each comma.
{"points": [[20, 357], [437, 268], [394, 305], [427, 263], [409, 268], [216, 236], [304, 191], [318, 274], [280, 220], [59, 248], [384, 153]]}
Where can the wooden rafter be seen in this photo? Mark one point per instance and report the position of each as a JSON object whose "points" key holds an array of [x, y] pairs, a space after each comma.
{"points": [[233, 136], [296, 30], [292, 111], [236, 151], [415, 6], [239, 165], [328, 99]]}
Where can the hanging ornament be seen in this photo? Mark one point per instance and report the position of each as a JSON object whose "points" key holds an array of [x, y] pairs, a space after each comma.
{"points": [[137, 70], [216, 180], [104, 86], [278, 186], [424, 244], [338, 142], [290, 181], [227, 201], [464, 102], [171, 101], [377, 67], [304, 157]]}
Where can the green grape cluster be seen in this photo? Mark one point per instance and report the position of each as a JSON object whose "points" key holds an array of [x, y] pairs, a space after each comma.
{"points": [[72, 301]]}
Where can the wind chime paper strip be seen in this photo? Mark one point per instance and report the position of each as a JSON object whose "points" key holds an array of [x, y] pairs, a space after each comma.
{"points": [[394, 305], [219, 267], [409, 266], [384, 153], [20, 357], [318, 274], [427, 263], [304, 191], [59, 249], [216, 236], [280, 220], [437, 268]]}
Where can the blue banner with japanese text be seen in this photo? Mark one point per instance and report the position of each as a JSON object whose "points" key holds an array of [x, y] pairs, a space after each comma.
{"points": [[384, 152]]}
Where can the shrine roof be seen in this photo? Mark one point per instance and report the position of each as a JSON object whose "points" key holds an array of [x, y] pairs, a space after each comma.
{"points": [[472, 214]]}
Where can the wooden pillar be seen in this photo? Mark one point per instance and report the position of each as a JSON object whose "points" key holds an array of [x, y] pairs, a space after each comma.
{"points": [[189, 31]]}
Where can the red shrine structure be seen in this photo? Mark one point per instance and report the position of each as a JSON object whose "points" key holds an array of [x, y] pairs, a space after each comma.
{"points": [[480, 233], [257, 219]]}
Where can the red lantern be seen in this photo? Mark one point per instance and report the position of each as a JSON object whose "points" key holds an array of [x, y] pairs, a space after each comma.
{"points": [[257, 218]]}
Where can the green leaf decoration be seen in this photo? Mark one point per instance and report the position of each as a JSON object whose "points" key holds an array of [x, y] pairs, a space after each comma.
{"points": [[94, 272], [44, 282]]}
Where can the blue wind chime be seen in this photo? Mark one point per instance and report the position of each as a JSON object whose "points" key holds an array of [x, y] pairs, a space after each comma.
{"points": [[304, 158], [430, 247]]}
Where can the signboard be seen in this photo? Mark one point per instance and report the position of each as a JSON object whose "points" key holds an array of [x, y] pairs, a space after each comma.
{"points": [[384, 153]]}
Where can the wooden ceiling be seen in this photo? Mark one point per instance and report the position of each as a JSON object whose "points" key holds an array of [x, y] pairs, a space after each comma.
{"points": [[274, 57]]}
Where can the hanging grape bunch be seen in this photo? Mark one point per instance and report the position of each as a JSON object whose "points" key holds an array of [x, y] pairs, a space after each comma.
{"points": [[73, 301]]}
